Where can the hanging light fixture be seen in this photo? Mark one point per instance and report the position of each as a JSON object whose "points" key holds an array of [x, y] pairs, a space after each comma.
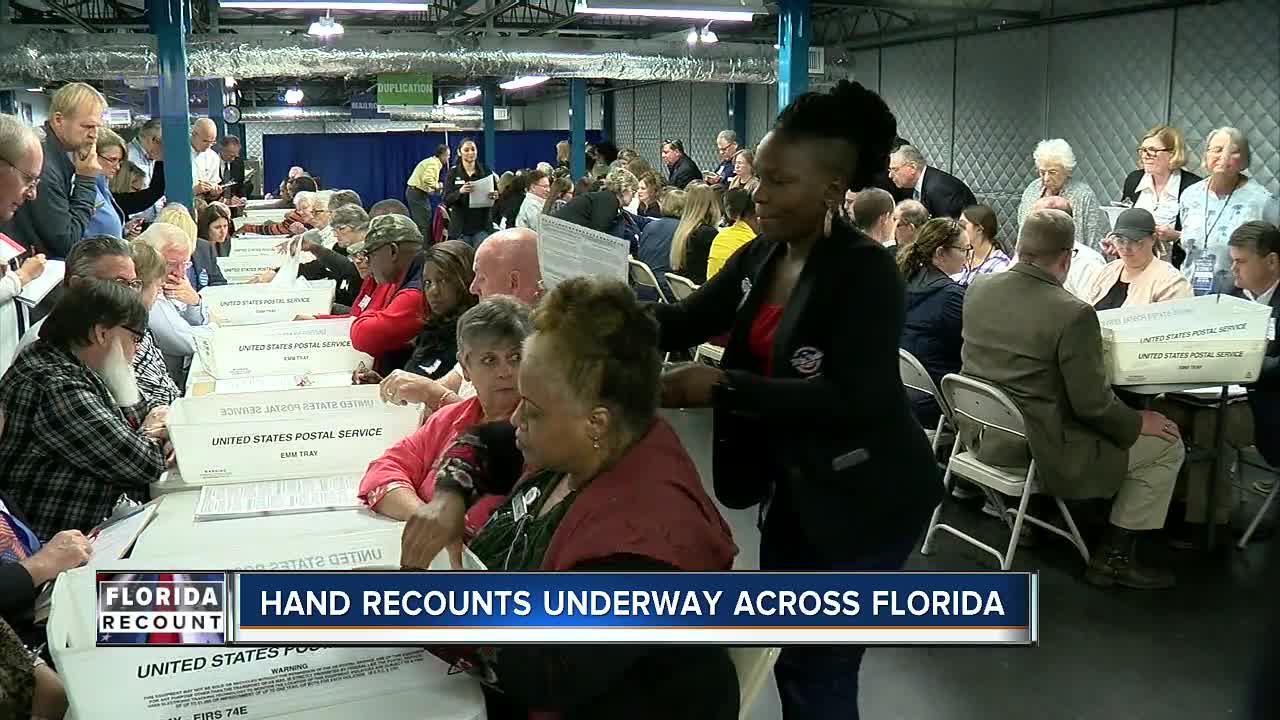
{"points": [[708, 35], [465, 96], [293, 96], [326, 27], [523, 82]]}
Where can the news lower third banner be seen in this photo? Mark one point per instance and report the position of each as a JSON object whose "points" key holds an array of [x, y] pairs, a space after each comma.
{"points": [[490, 608]]}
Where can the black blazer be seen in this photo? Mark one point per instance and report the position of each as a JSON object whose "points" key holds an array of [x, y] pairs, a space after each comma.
{"points": [[944, 194], [204, 265], [1130, 190], [136, 202], [684, 172], [834, 394], [235, 174], [596, 210], [463, 219], [1264, 395]]}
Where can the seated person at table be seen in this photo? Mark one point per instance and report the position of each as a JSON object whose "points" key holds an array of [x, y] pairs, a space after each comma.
{"points": [[28, 686], [26, 565], [178, 309], [873, 214], [295, 222], [489, 338], [1085, 262], [615, 491], [505, 264], [931, 328], [104, 257], [740, 229], [67, 450], [1255, 267], [446, 279], [154, 382], [388, 310], [1138, 277], [1087, 443]]}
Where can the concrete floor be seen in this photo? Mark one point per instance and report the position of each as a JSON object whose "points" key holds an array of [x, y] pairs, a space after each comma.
{"points": [[1187, 653]]}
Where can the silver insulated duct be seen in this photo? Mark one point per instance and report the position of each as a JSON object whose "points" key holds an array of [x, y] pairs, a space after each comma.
{"points": [[49, 57]]}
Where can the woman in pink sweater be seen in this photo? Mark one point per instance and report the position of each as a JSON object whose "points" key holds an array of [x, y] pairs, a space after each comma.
{"points": [[490, 336]]}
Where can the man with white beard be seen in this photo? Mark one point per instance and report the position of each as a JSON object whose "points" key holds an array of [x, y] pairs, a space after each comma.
{"points": [[68, 450]]}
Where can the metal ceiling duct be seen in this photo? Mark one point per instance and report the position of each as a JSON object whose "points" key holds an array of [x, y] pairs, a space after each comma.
{"points": [[50, 57], [440, 114]]}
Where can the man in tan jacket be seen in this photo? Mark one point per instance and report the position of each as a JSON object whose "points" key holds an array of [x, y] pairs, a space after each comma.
{"points": [[1047, 355]]}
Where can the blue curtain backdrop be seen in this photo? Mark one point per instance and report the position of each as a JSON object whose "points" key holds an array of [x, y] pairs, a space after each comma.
{"points": [[376, 165]]}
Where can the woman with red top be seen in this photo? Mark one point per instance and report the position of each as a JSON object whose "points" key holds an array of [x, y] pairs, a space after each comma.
{"points": [[613, 490], [810, 411], [489, 339]]}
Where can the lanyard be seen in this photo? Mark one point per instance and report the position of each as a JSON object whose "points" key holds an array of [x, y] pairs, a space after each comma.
{"points": [[1207, 227]]}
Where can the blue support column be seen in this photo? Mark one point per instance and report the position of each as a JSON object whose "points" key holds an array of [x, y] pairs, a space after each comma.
{"points": [[216, 103], [737, 99], [793, 50], [578, 127], [153, 101], [8, 102], [489, 91], [170, 21]]}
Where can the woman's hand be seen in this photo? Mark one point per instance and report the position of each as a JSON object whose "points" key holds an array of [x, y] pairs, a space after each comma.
{"points": [[265, 276], [440, 524], [402, 388], [297, 228], [157, 423], [690, 385], [32, 268], [364, 376], [1168, 234], [466, 188], [178, 287]]}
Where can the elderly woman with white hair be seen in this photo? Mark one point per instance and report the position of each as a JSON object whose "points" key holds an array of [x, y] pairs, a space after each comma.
{"points": [[173, 318], [1055, 163], [1214, 207], [300, 219]]}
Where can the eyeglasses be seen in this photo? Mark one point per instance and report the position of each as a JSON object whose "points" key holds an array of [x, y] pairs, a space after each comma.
{"points": [[1121, 241], [29, 181], [134, 285], [137, 334], [1151, 152], [110, 160], [966, 249]]}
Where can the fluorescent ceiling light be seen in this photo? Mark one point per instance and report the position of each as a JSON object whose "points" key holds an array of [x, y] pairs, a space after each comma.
{"points": [[464, 96], [524, 82], [293, 96], [229, 82], [323, 5], [724, 10], [709, 36], [35, 90], [325, 27]]}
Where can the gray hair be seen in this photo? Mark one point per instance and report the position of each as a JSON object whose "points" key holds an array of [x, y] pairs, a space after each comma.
{"points": [[1237, 138], [305, 197], [86, 253], [497, 319], [1046, 234], [150, 128], [910, 154], [1053, 202], [344, 197], [350, 216], [914, 212], [728, 136], [162, 235], [15, 137], [620, 180], [1055, 152]]}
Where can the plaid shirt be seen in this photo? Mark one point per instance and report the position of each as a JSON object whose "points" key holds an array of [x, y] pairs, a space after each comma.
{"points": [[67, 451], [154, 383]]}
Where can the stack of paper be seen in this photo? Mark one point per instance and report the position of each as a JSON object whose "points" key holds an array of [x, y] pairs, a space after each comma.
{"points": [[277, 497], [34, 292]]}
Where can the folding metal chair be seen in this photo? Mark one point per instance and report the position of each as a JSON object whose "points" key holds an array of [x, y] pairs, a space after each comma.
{"points": [[914, 376], [643, 276], [1246, 458], [752, 665], [681, 286], [991, 410]]}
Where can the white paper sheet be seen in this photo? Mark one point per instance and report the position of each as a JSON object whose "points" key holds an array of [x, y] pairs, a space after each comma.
{"points": [[113, 541], [278, 497], [9, 249], [34, 292], [281, 382], [566, 250], [480, 190]]}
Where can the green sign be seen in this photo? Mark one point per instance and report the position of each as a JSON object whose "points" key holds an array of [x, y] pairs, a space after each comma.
{"points": [[405, 89]]}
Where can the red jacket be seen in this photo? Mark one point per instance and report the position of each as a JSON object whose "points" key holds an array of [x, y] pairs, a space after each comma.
{"points": [[388, 317]]}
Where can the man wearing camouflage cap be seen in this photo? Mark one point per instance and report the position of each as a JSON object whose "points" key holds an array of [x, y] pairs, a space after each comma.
{"points": [[388, 310]]}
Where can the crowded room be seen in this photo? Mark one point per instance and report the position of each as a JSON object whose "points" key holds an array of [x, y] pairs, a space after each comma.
{"points": [[610, 287]]}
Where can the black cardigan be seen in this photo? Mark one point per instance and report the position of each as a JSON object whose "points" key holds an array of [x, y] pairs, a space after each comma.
{"points": [[136, 202], [463, 219], [1130, 190], [834, 390], [596, 210], [697, 248]]}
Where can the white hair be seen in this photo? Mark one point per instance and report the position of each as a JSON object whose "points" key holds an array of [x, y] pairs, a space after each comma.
{"points": [[15, 138], [1235, 137], [163, 235], [728, 136], [1055, 152], [306, 197], [910, 154], [320, 198]]}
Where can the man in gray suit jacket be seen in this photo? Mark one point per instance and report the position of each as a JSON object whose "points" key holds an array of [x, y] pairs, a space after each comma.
{"points": [[1087, 443]]}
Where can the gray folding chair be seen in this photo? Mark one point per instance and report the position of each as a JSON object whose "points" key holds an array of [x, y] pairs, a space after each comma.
{"points": [[989, 409], [914, 376], [681, 286], [1251, 458], [643, 276]]}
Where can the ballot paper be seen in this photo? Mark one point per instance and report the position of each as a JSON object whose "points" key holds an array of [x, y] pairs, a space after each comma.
{"points": [[112, 540], [255, 246], [480, 190], [278, 497], [34, 291], [566, 250], [9, 249]]}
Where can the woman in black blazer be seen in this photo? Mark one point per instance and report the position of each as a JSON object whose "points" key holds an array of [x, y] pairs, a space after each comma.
{"points": [[809, 399], [1161, 156], [471, 225], [599, 210]]}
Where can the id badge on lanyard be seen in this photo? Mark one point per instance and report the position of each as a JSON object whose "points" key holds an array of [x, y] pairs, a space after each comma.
{"points": [[1202, 273]]}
